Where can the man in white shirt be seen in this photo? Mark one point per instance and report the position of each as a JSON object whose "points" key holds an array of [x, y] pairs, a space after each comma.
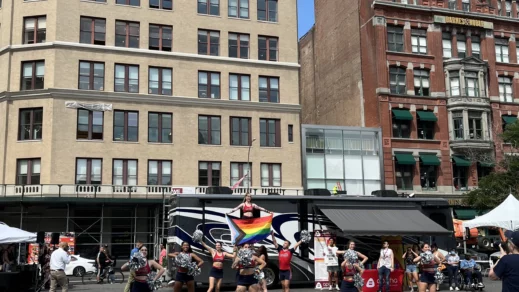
{"points": [[385, 266], [58, 261]]}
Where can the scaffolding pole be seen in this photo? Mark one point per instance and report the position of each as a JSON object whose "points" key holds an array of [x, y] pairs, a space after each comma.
{"points": [[68, 217], [135, 225]]}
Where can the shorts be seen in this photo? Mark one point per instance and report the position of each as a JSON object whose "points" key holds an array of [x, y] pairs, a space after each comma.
{"points": [[140, 287], [216, 273], [332, 268], [246, 281], [183, 277], [427, 278], [285, 275], [347, 286], [411, 269]]}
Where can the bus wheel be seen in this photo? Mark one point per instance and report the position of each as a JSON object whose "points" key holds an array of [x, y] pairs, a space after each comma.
{"points": [[271, 276]]}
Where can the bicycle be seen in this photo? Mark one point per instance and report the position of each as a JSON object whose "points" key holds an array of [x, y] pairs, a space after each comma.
{"points": [[109, 273]]}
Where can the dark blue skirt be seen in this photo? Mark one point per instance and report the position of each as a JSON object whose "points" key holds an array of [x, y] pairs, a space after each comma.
{"points": [[348, 286], [216, 273], [140, 287], [183, 277]]}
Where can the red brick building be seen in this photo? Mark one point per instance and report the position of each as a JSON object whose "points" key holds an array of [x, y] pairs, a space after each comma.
{"points": [[439, 77]]}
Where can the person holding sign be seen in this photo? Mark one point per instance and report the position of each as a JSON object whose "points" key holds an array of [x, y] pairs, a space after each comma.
{"points": [[332, 263]]}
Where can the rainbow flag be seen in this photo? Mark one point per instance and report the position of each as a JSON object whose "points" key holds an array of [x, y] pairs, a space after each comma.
{"points": [[249, 230]]}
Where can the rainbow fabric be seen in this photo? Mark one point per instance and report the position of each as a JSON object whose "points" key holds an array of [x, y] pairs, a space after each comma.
{"points": [[249, 230]]}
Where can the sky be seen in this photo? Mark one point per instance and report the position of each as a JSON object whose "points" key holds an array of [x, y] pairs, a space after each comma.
{"points": [[305, 11]]}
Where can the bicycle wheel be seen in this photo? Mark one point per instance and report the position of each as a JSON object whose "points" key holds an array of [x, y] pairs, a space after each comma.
{"points": [[116, 278], [89, 278]]}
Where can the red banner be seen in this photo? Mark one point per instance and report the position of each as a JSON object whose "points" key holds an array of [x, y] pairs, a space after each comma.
{"points": [[371, 281]]}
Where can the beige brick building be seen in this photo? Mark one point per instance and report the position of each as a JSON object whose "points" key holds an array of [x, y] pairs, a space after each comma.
{"points": [[149, 92]]}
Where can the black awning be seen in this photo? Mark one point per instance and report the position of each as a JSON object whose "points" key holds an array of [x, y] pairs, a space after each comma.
{"points": [[381, 222]]}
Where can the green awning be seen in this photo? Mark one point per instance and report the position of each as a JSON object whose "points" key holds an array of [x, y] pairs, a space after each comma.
{"points": [[427, 116], [465, 214], [405, 159], [509, 119], [487, 164], [429, 159], [401, 114], [461, 161]]}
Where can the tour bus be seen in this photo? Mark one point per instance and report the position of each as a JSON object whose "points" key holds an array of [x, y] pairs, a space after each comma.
{"points": [[363, 219]]}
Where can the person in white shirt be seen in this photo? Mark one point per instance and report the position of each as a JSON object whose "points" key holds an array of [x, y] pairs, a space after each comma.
{"points": [[385, 266], [58, 261], [332, 263]]}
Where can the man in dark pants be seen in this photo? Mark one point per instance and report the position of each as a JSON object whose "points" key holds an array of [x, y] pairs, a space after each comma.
{"points": [[385, 266]]}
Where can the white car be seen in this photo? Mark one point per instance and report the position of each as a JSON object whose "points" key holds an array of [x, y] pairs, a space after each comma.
{"points": [[78, 266]]}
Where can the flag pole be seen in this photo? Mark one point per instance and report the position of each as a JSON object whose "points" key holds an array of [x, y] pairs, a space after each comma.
{"points": [[248, 165]]}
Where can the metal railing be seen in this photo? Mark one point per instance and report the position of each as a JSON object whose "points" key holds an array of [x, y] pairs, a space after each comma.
{"points": [[260, 191]]}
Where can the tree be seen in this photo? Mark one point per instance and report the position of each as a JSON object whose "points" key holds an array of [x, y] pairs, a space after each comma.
{"points": [[494, 188]]}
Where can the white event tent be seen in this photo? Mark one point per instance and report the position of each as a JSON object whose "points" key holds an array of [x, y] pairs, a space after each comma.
{"points": [[505, 216], [15, 235]]}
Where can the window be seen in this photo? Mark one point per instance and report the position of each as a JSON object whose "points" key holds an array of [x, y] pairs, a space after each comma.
{"points": [[454, 81], [239, 170], [421, 82], [88, 171], [269, 89], [35, 29], [428, 176], [161, 37], [457, 119], [460, 177], [240, 131], [270, 133], [508, 120], [30, 126], [239, 8], [124, 172], [129, 2], [267, 48], [160, 127], [270, 175], [33, 75], [239, 45], [91, 75], [92, 31], [447, 44], [476, 46], [419, 41], [401, 127], [127, 34], [404, 176], [268, 10], [397, 81], [89, 125], [159, 81], [208, 42], [483, 169], [210, 7], [395, 38], [465, 5], [239, 87], [126, 78], [159, 172], [462, 46], [209, 174], [425, 125], [208, 85], [508, 7], [161, 4], [126, 126], [209, 130], [505, 89], [502, 50], [471, 84], [475, 126], [499, 8], [28, 171], [452, 4], [290, 133]]}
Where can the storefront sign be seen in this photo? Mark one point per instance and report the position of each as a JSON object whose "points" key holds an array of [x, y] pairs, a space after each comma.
{"points": [[321, 238], [371, 283], [463, 21]]}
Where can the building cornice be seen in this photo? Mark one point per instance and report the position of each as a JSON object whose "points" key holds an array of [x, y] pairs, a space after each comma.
{"points": [[146, 53], [96, 96]]}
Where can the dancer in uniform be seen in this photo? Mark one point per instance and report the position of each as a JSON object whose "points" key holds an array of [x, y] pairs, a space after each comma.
{"points": [[429, 262], [285, 257], [140, 283], [248, 207], [245, 278], [351, 249], [262, 254], [216, 274], [348, 272], [182, 277]]}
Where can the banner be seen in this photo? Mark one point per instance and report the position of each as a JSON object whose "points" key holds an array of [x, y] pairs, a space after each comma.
{"points": [[321, 238], [371, 281]]}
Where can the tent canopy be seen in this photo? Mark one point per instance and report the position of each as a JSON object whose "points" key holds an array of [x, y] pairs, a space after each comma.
{"points": [[15, 235], [380, 222], [505, 216]]}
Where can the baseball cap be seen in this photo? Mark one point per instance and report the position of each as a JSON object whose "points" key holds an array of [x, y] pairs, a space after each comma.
{"points": [[513, 236]]}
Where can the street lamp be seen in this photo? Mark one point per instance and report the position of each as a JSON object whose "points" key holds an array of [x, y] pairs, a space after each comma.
{"points": [[248, 163]]}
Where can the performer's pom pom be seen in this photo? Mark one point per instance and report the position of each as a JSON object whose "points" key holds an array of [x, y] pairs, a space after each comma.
{"points": [[439, 277], [351, 256], [427, 257], [245, 256], [305, 236], [197, 236], [258, 274], [358, 281], [137, 261], [193, 270], [154, 285], [182, 260]]}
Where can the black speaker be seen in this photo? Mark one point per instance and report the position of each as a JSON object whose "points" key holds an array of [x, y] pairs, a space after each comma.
{"points": [[54, 238], [342, 192], [384, 193], [40, 237], [317, 192], [218, 191]]}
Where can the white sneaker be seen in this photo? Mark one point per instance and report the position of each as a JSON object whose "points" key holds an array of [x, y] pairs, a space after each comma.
{"points": [[457, 289], [451, 288], [412, 289], [337, 287], [330, 288], [480, 285]]}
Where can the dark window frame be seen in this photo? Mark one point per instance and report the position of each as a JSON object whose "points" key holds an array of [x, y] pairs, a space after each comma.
{"points": [[404, 182], [161, 38], [161, 5], [399, 73], [240, 131], [29, 174], [92, 30], [422, 75], [469, 75], [210, 173], [127, 34], [91, 75], [269, 89], [397, 128], [392, 44], [241, 173], [160, 174], [505, 81], [475, 126], [127, 2], [161, 81], [89, 170], [90, 125], [239, 46], [209, 45], [208, 85], [127, 77], [476, 40], [446, 36], [271, 175], [210, 130], [160, 127], [240, 86], [126, 126], [428, 127], [461, 39], [460, 173], [290, 133], [31, 123], [457, 122], [125, 171], [268, 12], [277, 133], [208, 7], [428, 176], [418, 34], [36, 31], [268, 49], [238, 9], [33, 76]]}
